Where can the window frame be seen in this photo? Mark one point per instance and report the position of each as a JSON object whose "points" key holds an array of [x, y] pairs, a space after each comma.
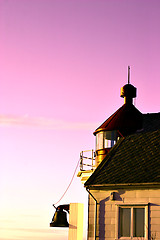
{"points": [[132, 206]]}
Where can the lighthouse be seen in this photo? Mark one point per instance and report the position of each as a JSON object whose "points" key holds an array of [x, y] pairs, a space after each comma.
{"points": [[125, 121], [124, 188]]}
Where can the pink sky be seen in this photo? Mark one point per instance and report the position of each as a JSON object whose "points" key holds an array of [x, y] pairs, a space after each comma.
{"points": [[62, 65]]}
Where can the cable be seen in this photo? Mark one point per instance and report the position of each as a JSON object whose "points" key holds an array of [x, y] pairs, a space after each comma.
{"points": [[69, 183]]}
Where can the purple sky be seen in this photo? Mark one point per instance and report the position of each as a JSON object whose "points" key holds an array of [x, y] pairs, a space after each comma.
{"points": [[62, 65]]}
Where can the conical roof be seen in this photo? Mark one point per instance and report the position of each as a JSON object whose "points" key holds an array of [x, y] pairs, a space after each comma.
{"points": [[127, 119]]}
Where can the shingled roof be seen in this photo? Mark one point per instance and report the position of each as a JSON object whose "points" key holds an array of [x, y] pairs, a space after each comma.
{"points": [[134, 159]]}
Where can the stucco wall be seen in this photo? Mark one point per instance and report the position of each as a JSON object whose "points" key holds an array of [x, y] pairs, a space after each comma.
{"points": [[107, 211]]}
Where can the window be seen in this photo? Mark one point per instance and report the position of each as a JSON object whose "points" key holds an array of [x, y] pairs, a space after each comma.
{"points": [[132, 221], [106, 139], [125, 222]]}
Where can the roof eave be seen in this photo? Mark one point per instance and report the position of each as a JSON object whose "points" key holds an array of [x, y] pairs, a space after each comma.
{"points": [[123, 186]]}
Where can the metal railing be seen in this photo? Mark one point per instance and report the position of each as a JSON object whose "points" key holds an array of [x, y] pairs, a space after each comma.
{"points": [[87, 161]]}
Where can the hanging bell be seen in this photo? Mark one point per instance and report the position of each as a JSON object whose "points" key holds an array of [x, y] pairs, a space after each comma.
{"points": [[60, 217]]}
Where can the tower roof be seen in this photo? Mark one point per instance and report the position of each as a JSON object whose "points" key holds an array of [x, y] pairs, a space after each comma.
{"points": [[127, 119]]}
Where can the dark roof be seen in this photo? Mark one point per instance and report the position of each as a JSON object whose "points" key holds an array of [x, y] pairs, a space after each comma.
{"points": [[134, 159], [151, 122], [127, 119]]}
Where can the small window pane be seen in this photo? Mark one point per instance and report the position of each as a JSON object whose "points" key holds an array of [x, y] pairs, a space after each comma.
{"points": [[99, 141], [138, 222], [107, 143], [125, 220]]}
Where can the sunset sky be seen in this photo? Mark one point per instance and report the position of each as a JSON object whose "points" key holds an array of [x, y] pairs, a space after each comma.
{"points": [[62, 64]]}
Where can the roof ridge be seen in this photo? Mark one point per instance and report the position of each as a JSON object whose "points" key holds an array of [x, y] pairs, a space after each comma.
{"points": [[151, 113]]}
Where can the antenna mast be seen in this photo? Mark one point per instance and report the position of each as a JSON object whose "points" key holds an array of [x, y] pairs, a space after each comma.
{"points": [[128, 74]]}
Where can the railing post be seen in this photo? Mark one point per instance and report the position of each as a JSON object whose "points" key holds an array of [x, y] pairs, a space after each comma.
{"points": [[81, 161], [92, 159]]}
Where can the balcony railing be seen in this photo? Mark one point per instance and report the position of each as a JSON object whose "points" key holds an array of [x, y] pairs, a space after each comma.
{"points": [[87, 160]]}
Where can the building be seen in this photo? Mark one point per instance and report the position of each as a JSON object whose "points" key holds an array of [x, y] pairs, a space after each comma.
{"points": [[124, 182]]}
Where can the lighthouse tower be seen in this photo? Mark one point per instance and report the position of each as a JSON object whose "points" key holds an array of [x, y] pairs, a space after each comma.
{"points": [[125, 121]]}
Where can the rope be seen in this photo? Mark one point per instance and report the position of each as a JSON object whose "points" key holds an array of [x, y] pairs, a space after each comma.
{"points": [[69, 183]]}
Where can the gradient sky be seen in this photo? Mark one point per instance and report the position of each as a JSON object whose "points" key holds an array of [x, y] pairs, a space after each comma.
{"points": [[62, 64]]}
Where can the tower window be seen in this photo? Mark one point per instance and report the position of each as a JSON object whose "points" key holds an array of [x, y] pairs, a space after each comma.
{"points": [[106, 139]]}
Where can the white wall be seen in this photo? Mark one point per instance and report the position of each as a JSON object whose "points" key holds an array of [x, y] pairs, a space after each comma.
{"points": [[76, 214], [107, 211]]}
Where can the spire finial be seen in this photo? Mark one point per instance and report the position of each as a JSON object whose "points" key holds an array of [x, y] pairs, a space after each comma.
{"points": [[128, 91], [128, 74]]}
